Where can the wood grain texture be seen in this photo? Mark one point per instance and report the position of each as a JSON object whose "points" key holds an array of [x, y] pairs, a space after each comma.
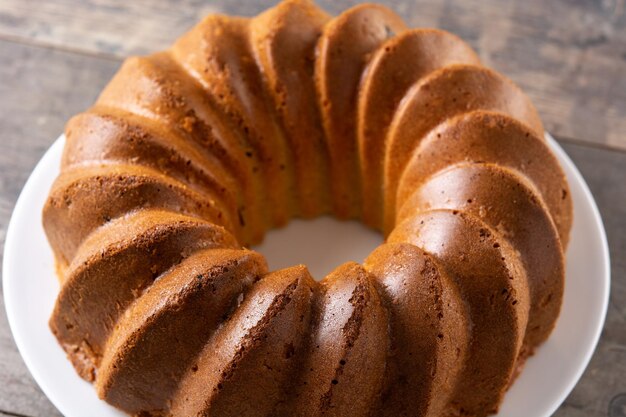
{"points": [[42, 86], [568, 55]]}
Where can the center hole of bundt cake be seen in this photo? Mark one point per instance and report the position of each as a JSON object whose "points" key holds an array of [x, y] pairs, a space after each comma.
{"points": [[321, 244]]}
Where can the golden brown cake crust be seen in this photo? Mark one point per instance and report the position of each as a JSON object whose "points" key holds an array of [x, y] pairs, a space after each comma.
{"points": [[285, 38], [137, 362], [191, 154], [343, 51], [492, 280], [428, 319], [398, 64]]}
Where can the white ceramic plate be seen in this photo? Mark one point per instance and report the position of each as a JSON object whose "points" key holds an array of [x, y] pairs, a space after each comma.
{"points": [[30, 288]]}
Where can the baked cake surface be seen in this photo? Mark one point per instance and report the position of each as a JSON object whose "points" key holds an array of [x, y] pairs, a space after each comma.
{"points": [[191, 154]]}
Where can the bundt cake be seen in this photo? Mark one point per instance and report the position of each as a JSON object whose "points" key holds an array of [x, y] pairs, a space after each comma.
{"points": [[190, 155]]}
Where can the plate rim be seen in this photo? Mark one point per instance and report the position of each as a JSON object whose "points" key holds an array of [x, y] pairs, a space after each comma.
{"points": [[12, 228], [606, 260]]}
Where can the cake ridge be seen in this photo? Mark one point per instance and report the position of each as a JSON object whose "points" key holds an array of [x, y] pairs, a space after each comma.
{"points": [[169, 236], [181, 149], [236, 66], [409, 127], [165, 107], [481, 385], [398, 64], [85, 185], [289, 300], [535, 237], [337, 81], [493, 137], [205, 286], [284, 40], [241, 147], [441, 339]]}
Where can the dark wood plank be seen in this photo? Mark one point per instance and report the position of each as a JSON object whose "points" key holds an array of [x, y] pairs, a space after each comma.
{"points": [[569, 55], [39, 90]]}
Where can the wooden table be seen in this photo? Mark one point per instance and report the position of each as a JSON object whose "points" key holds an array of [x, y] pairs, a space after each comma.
{"points": [[568, 55]]}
